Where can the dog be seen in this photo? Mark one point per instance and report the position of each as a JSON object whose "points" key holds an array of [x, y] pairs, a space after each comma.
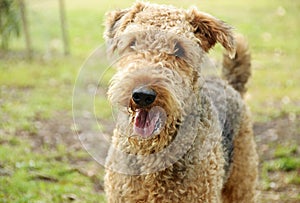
{"points": [[180, 136]]}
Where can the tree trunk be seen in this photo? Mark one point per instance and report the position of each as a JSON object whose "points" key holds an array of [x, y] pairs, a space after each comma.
{"points": [[64, 27], [26, 29]]}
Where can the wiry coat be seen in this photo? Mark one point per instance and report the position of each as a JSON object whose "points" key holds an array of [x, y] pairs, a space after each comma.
{"points": [[205, 150]]}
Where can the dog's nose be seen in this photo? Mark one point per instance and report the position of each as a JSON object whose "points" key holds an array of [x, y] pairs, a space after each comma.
{"points": [[143, 96]]}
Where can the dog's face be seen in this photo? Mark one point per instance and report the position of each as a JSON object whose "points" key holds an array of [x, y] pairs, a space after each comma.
{"points": [[161, 50]]}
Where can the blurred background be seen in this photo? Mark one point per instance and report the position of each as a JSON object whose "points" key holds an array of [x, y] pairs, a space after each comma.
{"points": [[43, 44]]}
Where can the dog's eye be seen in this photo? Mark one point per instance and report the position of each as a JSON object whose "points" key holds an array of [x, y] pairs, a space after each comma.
{"points": [[132, 43], [179, 50]]}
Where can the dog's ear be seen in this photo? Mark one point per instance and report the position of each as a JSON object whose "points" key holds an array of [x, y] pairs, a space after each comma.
{"points": [[117, 20], [113, 22], [210, 30]]}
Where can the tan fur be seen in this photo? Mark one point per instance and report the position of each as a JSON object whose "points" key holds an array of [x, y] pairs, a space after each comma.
{"points": [[162, 47], [242, 182]]}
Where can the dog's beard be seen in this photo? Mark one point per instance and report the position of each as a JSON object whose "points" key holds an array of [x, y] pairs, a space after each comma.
{"points": [[148, 123]]}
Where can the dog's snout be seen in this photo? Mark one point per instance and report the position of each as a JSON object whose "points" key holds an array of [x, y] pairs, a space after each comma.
{"points": [[143, 96]]}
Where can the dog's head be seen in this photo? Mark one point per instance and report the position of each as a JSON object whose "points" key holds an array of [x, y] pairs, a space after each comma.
{"points": [[198, 26], [161, 50]]}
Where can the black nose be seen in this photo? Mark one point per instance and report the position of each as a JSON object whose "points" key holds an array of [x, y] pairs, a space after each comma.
{"points": [[143, 96]]}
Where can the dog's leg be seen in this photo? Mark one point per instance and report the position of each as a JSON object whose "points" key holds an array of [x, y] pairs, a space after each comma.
{"points": [[241, 185]]}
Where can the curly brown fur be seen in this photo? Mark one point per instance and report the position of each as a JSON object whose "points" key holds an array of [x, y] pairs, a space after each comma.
{"points": [[202, 148], [241, 185]]}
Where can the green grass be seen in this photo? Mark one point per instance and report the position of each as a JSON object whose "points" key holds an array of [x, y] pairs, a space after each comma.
{"points": [[286, 164], [35, 91], [285, 159], [285, 151], [41, 176], [283, 164], [32, 90]]}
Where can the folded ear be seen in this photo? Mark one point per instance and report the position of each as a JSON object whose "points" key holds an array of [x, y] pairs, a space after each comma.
{"points": [[210, 30], [113, 22], [117, 20]]}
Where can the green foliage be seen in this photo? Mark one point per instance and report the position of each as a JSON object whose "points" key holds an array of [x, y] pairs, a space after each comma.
{"points": [[9, 21]]}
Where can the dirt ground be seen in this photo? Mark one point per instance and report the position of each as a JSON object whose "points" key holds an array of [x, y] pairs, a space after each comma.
{"points": [[284, 131]]}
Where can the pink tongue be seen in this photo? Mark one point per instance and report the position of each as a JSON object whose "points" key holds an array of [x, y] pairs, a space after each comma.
{"points": [[141, 118], [145, 123]]}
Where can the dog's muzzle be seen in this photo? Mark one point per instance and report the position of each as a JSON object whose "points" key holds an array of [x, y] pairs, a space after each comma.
{"points": [[149, 119]]}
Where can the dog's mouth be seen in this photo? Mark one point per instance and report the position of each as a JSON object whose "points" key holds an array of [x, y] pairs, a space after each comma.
{"points": [[148, 123]]}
